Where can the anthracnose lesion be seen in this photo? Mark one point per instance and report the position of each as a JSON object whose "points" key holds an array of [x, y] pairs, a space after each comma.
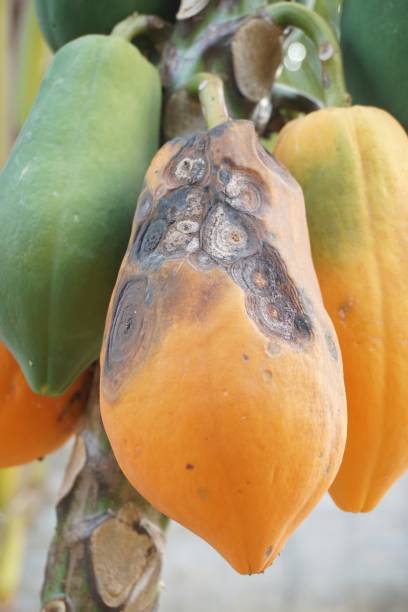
{"points": [[212, 215], [191, 165], [243, 189], [271, 297], [133, 322], [228, 235]]}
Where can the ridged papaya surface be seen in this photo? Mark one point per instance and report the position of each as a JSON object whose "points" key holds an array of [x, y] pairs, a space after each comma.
{"points": [[352, 165], [67, 196], [64, 20], [32, 425], [222, 391]]}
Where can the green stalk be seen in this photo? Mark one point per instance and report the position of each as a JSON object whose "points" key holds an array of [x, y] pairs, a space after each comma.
{"points": [[210, 90], [290, 14], [137, 24], [108, 545], [5, 19]]}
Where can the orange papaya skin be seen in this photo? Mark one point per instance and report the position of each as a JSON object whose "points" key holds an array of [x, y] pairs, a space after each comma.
{"points": [[221, 388], [32, 425], [352, 164]]}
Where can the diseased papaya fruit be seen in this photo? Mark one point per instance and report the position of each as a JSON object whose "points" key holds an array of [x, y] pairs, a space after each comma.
{"points": [[374, 42], [355, 180], [221, 390], [63, 20], [67, 196], [32, 425]]}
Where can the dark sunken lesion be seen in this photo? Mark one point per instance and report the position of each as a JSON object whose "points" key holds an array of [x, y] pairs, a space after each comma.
{"points": [[211, 216], [190, 166], [133, 320]]}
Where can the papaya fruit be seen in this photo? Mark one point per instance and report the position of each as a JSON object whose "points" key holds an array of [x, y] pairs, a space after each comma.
{"points": [[355, 180], [67, 196], [32, 425], [221, 378], [64, 20], [374, 42]]}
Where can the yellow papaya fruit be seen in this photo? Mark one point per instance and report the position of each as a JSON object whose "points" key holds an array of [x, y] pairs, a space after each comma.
{"points": [[352, 164], [221, 387]]}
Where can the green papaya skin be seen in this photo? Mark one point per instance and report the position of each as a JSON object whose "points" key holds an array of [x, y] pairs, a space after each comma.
{"points": [[374, 42], [67, 198], [64, 20]]}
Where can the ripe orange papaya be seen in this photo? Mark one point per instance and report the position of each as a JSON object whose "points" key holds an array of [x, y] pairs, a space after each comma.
{"points": [[32, 425], [221, 388], [352, 164]]}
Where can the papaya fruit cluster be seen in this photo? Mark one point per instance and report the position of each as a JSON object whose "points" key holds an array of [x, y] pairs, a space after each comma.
{"points": [[222, 389]]}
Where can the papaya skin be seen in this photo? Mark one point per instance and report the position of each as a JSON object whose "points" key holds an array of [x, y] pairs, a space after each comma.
{"points": [[64, 20], [355, 179], [224, 404], [67, 197], [31, 425]]}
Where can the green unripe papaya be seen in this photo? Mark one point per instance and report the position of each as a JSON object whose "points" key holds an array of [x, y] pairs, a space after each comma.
{"points": [[67, 197], [63, 20], [374, 42]]}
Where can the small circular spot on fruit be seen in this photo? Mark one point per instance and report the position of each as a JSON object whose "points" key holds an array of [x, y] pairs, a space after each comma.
{"points": [[189, 466], [267, 375], [188, 227], [268, 551], [202, 492], [344, 309], [245, 357]]}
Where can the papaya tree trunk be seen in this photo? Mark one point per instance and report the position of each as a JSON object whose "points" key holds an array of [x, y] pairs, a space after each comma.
{"points": [[108, 545]]}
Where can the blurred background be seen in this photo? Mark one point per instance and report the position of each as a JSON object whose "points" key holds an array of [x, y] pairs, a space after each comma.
{"points": [[334, 562]]}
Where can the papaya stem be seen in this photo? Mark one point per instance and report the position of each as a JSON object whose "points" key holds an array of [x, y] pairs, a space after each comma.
{"points": [[210, 90], [137, 24], [108, 545], [315, 27]]}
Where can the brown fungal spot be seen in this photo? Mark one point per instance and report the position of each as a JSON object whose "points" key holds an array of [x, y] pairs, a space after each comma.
{"points": [[189, 466], [227, 236], [131, 329], [245, 357], [267, 375], [190, 165], [202, 492], [268, 551], [344, 309]]}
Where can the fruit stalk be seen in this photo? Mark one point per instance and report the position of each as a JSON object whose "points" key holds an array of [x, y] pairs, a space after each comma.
{"points": [[287, 14], [210, 90], [108, 545]]}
